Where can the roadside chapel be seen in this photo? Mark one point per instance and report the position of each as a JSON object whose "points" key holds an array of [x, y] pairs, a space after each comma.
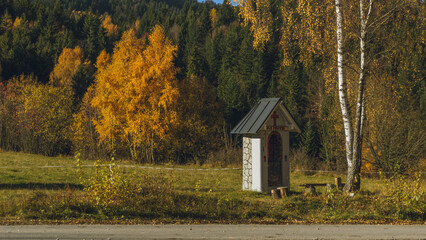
{"points": [[266, 134]]}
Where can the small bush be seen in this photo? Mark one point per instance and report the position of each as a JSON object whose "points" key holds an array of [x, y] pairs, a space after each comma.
{"points": [[404, 197], [108, 188]]}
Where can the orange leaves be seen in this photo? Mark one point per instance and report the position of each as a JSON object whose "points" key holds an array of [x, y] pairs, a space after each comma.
{"points": [[17, 22], [111, 78], [155, 71], [102, 60], [136, 89], [67, 66], [111, 28]]}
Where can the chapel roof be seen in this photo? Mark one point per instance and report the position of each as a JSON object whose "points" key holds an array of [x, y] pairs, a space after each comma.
{"points": [[254, 120]]}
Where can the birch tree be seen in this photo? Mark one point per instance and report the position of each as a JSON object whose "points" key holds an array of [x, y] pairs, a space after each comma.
{"points": [[354, 167], [343, 89], [253, 12], [136, 92]]}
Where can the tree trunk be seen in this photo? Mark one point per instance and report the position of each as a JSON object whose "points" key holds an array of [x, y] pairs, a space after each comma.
{"points": [[343, 93], [353, 181], [152, 148]]}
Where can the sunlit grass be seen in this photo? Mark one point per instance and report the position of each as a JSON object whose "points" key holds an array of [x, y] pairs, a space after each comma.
{"points": [[30, 190]]}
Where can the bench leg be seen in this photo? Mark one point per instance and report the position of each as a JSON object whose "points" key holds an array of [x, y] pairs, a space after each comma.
{"points": [[283, 191]]}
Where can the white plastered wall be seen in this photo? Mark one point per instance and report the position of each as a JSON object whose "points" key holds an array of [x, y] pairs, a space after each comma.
{"points": [[256, 164]]}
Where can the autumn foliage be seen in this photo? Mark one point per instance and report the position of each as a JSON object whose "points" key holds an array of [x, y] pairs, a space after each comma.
{"points": [[103, 79], [35, 117], [67, 66], [136, 92]]}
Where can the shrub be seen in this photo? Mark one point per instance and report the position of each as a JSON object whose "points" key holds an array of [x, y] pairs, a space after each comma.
{"points": [[106, 187], [36, 117], [404, 197]]}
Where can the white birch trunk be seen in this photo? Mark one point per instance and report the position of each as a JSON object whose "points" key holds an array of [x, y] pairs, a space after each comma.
{"points": [[353, 181], [343, 93]]}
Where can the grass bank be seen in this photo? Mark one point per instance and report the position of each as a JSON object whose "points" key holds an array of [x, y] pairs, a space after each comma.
{"points": [[30, 192]]}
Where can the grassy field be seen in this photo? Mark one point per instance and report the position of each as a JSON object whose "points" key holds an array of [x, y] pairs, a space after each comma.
{"points": [[30, 192]]}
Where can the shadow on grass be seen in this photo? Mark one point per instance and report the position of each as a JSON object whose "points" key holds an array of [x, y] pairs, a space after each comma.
{"points": [[39, 186]]}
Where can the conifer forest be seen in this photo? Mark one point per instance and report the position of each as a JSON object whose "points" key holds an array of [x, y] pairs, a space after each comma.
{"points": [[164, 81]]}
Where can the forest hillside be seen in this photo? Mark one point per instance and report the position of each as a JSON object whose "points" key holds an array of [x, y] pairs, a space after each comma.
{"points": [[165, 81]]}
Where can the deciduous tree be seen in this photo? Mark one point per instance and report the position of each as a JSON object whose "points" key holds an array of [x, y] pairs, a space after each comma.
{"points": [[256, 13], [68, 63], [136, 92]]}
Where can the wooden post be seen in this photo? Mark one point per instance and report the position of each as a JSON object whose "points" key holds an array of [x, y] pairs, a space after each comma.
{"points": [[274, 194], [283, 191], [338, 182]]}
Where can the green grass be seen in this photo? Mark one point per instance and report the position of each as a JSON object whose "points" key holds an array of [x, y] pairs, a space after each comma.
{"points": [[31, 193]]}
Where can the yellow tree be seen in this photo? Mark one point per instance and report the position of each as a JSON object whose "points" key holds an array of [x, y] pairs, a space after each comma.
{"points": [[213, 16], [110, 27], [68, 63], [136, 92], [17, 22], [84, 137]]}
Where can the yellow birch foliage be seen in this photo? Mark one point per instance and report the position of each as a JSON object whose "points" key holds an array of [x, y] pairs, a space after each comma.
{"points": [[311, 24], [213, 16], [110, 81], [396, 135], [68, 63], [136, 91], [102, 60], [111, 28], [257, 13], [17, 22]]}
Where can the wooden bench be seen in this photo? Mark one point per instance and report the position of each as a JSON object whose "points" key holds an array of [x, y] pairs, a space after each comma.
{"points": [[310, 187], [280, 192]]}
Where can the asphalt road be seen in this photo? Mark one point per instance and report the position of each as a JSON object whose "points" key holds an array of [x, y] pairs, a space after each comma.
{"points": [[213, 232]]}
